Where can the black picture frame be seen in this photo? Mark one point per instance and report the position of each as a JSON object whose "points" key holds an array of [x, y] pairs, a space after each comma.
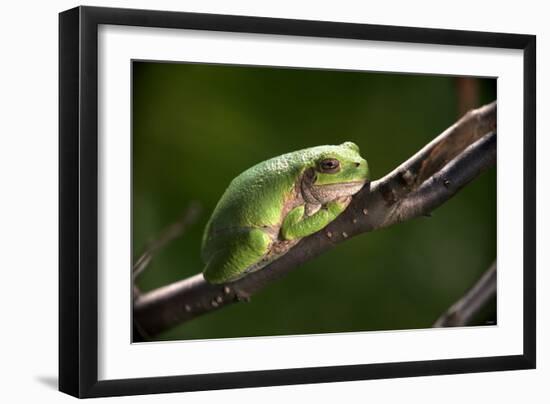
{"points": [[78, 206]]}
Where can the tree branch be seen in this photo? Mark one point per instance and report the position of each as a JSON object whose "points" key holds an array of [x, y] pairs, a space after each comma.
{"points": [[415, 188], [461, 313]]}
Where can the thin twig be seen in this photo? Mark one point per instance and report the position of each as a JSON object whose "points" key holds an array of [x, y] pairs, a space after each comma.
{"points": [[414, 189], [169, 234], [462, 312]]}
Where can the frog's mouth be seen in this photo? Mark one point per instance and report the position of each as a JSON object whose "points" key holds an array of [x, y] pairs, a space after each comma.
{"points": [[329, 192]]}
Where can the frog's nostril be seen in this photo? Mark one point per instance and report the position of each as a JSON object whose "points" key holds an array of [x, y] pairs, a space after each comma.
{"points": [[357, 164]]}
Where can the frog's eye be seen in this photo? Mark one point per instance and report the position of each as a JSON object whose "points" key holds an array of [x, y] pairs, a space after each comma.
{"points": [[329, 166]]}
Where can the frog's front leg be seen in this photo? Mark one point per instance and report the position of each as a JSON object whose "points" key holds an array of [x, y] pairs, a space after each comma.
{"points": [[297, 224]]}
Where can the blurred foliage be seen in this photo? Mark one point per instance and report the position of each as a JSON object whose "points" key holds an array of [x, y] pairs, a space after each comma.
{"points": [[197, 126]]}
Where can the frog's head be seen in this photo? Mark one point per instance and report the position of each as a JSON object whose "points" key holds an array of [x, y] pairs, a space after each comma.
{"points": [[337, 171]]}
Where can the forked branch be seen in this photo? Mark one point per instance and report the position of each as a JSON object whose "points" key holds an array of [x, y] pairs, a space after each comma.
{"points": [[415, 188]]}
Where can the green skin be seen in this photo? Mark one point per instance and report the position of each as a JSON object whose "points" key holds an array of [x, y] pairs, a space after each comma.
{"points": [[267, 209]]}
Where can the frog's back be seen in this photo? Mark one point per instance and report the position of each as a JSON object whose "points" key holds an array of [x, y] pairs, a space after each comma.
{"points": [[256, 197]]}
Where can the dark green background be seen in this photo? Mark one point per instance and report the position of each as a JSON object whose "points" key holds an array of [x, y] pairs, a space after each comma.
{"points": [[196, 126]]}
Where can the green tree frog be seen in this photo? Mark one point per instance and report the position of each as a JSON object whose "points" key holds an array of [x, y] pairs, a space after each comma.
{"points": [[267, 209]]}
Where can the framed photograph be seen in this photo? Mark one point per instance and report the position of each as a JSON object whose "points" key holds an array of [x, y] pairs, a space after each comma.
{"points": [[250, 201]]}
